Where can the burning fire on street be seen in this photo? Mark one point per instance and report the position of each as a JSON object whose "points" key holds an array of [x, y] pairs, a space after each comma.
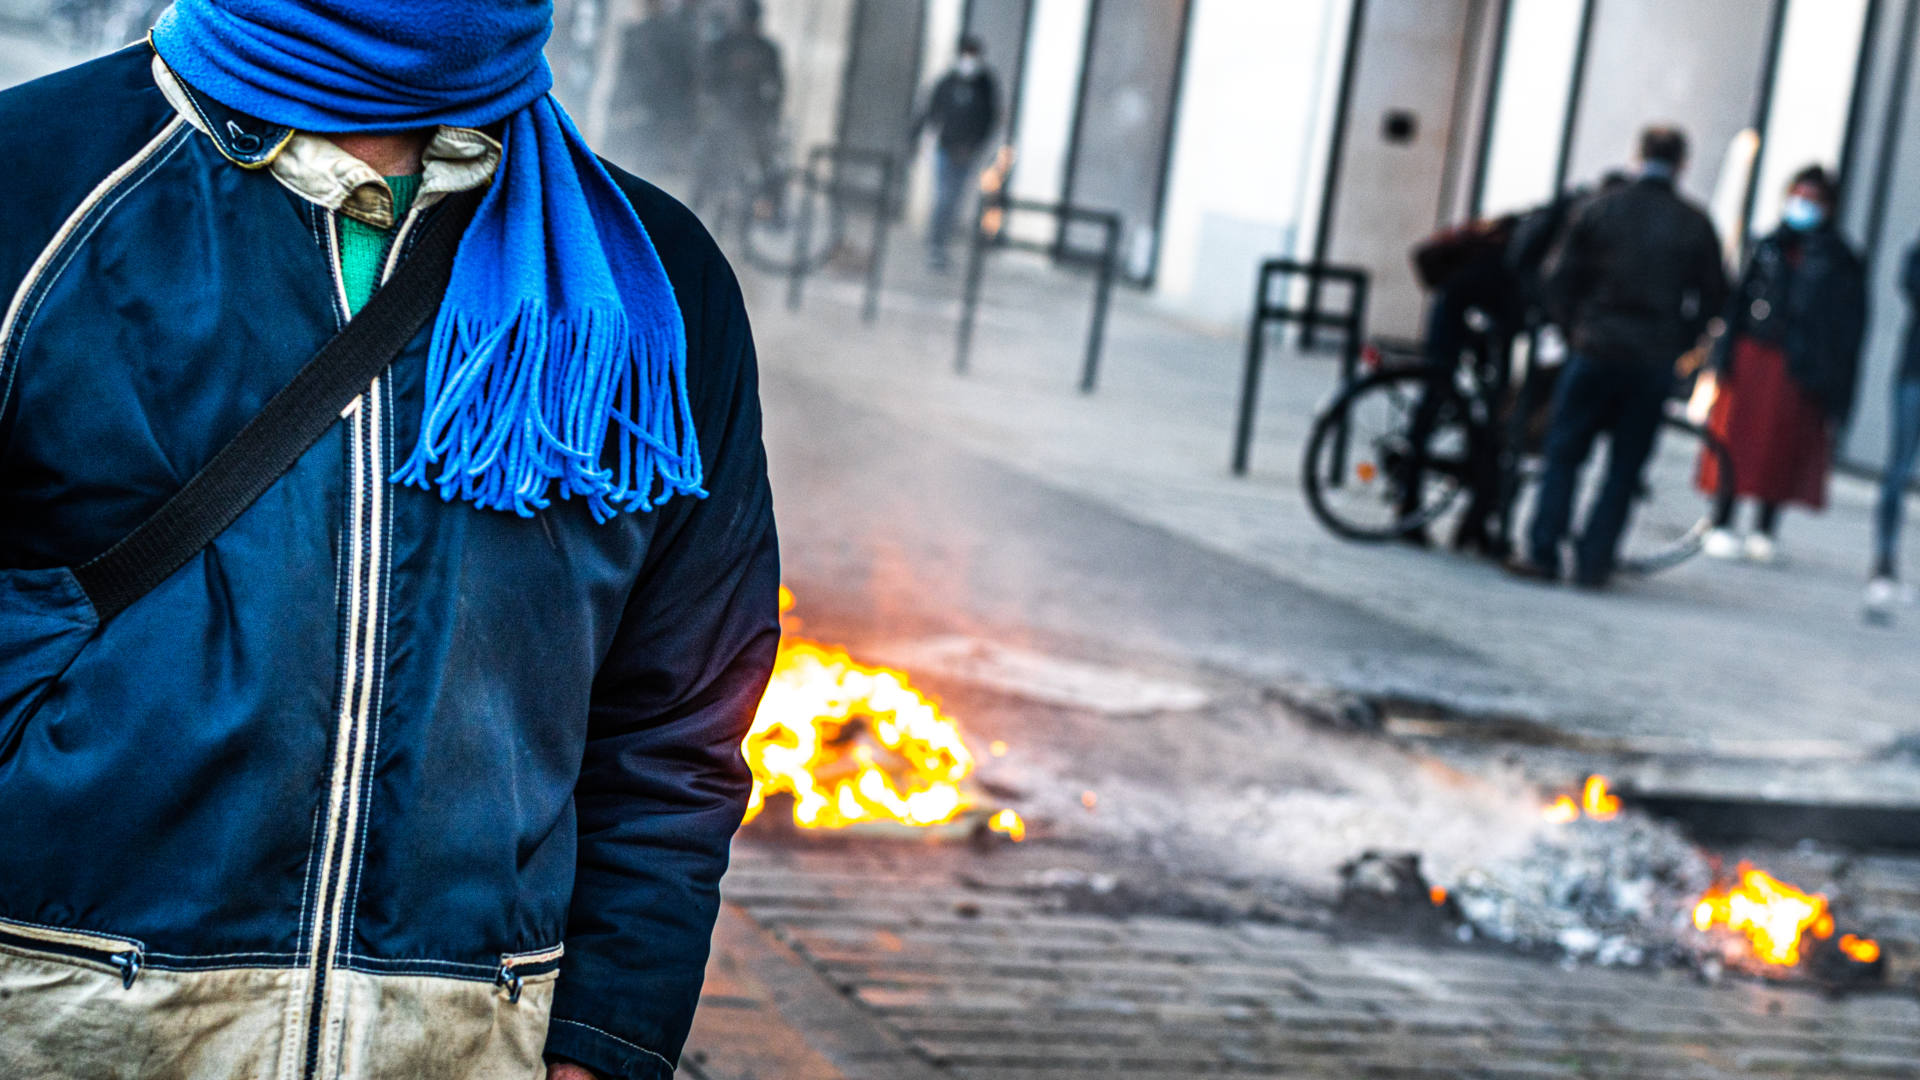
{"points": [[851, 743], [1777, 922]]}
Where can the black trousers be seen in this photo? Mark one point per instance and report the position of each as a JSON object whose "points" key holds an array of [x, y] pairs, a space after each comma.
{"points": [[1626, 402]]}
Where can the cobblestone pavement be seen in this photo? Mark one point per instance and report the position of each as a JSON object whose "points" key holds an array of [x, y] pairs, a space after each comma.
{"points": [[943, 954]]}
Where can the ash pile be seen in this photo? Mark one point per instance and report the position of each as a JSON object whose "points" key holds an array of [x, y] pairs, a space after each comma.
{"points": [[1622, 889], [1615, 892]]}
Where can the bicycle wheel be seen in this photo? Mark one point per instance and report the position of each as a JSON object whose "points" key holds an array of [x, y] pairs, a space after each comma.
{"points": [[773, 227], [1672, 516], [1359, 470]]}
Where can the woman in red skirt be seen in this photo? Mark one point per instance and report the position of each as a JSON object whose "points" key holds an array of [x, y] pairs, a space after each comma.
{"points": [[1785, 367]]}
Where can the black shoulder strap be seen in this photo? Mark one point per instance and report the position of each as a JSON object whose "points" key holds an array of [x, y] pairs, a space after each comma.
{"points": [[290, 422]]}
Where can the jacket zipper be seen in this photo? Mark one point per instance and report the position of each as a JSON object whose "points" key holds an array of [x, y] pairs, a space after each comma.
{"points": [[366, 507], [517, 968], [124, 955]]}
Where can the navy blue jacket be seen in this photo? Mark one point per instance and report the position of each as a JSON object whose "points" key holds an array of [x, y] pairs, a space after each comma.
{"points": [[376, 783]]}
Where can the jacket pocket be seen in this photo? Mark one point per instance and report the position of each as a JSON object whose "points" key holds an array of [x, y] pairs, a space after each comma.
{"points": [[519, 969], [120, 955], [45, 620]]}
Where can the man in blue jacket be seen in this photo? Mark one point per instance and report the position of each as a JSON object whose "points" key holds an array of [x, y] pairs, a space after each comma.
{"points": [[427, 765]]}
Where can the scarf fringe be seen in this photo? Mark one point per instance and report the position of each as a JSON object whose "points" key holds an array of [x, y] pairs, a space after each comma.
{"points": [[517, 409]]}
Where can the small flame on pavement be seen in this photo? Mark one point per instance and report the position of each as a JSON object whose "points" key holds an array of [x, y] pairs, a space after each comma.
{"points": [[1006, 821], [852, 743], [1595, 802], [1775, 917], [1858, 949]]}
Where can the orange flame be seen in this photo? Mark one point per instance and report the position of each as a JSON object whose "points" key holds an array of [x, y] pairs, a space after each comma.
{"points": [[1561, 811], [853, 743], [1438, 895], [1861, 950], [1006, 821], [1595, 802], [1775, 917]]}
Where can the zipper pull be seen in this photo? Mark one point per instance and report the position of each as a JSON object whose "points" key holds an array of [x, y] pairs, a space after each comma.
{"points": [[129, 964], [510, 980]]}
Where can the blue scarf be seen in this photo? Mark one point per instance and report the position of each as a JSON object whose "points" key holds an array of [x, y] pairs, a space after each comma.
{"points": [[560, 330]]}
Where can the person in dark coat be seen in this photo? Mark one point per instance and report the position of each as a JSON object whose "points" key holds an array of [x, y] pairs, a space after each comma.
{"points": [[745, 90], [654, 98], [1883, 589], [1786, 367], [963, 110], [1633, 286]]}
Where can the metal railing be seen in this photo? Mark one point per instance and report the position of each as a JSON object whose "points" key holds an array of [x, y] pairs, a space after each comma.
{"points": [[1351, 323], [990, 229], [826, 174]]}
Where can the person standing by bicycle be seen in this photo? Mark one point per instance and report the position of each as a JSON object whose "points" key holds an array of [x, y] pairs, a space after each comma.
{"points": [[1633, 286], [1786, 367], [963, 110]]}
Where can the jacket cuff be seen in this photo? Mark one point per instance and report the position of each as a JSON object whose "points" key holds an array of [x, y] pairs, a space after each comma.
{"points": [[607, 1055]]}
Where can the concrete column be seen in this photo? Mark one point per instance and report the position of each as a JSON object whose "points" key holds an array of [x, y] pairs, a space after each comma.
{"points": [[1400, 127]]}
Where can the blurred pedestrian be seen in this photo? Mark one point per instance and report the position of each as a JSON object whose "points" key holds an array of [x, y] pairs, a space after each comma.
{"points": [[1633, 285], [1473, 314], [654, 99], [1785, 368], [745, 91], [1883, 589], [963, 110]]}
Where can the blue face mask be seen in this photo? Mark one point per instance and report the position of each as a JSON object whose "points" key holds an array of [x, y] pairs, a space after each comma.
{"points": [[1802, 213]]}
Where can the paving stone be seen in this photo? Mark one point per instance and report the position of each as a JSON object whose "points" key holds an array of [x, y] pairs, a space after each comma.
{"points": [[1022, 993]]}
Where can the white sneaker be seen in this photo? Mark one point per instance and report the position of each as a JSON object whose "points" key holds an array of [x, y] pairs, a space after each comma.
{"points": [[1882, 594], [1762, 549], [1721, 544]]}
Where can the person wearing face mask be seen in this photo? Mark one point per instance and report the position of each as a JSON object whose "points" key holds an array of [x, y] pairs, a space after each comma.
{"points": [[1785, 368], [963, 111]]}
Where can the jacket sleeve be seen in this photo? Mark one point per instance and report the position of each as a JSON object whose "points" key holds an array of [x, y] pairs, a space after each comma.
{"points": [[1733, 317], [1569, 271], [993, 106], [1715, 290], [663, 785], [1849, 333]]}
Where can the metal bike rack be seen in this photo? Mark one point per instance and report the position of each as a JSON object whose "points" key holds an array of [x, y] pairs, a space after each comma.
{"points": [[824, 174], [1351, 323], [990, 229]]}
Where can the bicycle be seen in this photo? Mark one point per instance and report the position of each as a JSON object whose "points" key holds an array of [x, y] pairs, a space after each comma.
{"points": [[1359, 460]]}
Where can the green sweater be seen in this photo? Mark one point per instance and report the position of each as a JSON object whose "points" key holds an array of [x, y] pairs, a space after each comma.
{"points": [[363, 247]]}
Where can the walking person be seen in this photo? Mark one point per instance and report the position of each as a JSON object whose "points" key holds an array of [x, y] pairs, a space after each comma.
{"points": [[963, 110], [1784, 369], [1884, 589], [389, 565], [1633, 286]]}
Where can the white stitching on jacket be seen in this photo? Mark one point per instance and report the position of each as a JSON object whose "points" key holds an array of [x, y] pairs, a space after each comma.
{"points": [[67, 228], [618, 1039]]}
